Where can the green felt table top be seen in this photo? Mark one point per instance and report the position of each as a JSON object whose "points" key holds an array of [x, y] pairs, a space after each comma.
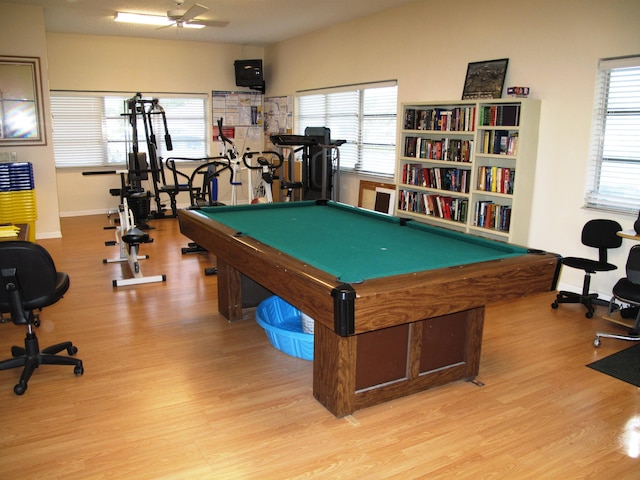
{"points": [[355, 244]]}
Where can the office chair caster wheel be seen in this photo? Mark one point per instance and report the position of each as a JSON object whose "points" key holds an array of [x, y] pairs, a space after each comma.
{"points": [[78, 370], [554, 305], [20, 388], [589, 314], [72, 350], [17, 351], [597, 342]]}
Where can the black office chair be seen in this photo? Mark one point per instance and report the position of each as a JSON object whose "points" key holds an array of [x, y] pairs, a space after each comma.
{"points": [[29, 282], [600, 234], [627, 291]]}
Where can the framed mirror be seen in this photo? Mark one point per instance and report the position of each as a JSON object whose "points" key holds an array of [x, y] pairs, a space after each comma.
{"points": [[21, 112]]}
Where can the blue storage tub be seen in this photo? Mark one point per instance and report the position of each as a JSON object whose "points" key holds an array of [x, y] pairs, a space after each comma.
{"points": [[282, 322]]}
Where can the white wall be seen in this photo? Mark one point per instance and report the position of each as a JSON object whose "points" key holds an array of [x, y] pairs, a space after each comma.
{"points": [[22, 34], [553, 47]]}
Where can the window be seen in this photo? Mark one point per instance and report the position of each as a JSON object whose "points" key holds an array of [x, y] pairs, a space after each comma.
{"points": [[363, 115], [90, 130], [614, 174]]}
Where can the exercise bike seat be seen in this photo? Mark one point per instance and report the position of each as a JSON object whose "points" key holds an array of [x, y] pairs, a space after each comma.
{"points": [[135, 236]]}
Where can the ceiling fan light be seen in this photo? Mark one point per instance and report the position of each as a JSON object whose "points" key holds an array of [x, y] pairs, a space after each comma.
{"points": [[141, 19]]}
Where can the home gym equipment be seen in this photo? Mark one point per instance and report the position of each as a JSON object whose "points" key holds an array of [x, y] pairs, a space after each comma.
{"points": [[320, 157], [268, 163], [129, 238], [145, 163], [202, 183]]}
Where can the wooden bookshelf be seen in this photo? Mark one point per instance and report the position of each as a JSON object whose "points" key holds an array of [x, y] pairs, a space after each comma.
{"points": [[469, 165]]}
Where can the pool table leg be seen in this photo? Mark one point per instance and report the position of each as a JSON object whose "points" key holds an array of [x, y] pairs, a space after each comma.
{"points": [[229, 291], [334, 370]]}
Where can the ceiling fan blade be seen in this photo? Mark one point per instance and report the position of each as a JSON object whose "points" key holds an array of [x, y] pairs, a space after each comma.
{"points": [[173, 24], [195, 10], [210, 23]]}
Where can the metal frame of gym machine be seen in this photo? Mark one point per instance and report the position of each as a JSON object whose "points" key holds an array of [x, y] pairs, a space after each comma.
{"points": [[320, 163]]}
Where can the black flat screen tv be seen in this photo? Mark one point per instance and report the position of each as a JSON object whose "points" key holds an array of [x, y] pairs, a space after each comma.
{"points": [[249, 73]]}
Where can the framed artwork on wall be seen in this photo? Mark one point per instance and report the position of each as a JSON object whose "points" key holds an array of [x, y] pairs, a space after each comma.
{"points": [[485, 79], [21, 111]]}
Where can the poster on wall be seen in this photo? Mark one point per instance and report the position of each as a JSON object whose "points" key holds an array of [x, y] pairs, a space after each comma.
{"points": [[241, 113], [278, 115]]}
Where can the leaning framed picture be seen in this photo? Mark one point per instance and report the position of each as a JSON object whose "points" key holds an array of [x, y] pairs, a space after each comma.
{"points": [[485, 79]]}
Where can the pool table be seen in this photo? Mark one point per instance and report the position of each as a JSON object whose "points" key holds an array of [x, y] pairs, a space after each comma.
{"points": [[398, 305]]}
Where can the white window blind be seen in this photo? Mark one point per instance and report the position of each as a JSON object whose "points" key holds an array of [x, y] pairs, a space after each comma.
{"points": [[363, 115], [90, 130], [614, 169]]}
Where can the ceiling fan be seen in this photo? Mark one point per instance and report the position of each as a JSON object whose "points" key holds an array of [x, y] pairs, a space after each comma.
{"points": [[181, 17]]}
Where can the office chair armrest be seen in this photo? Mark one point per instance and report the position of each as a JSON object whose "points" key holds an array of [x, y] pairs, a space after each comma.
{"points": [[10, 283]]}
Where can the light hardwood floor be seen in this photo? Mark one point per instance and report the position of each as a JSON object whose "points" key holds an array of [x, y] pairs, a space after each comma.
{"points": [[173, 391]]}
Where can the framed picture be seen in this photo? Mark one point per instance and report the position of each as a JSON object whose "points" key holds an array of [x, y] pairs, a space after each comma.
{"points": [[377, 196], [485, 79], [21, 112]]}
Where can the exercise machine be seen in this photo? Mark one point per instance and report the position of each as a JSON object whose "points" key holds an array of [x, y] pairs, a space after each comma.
{"points": [[229, 151], [320, 158], [145, 163], [129, 237], [202, 183], [268, 162]]}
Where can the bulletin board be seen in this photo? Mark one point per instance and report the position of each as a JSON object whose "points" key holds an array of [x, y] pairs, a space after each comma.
{"points": [[241, 113], [278, 115]]}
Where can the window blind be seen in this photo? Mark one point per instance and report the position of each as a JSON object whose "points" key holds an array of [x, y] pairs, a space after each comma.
{"points": [[90, 130], [614, 168], [363, 115]]}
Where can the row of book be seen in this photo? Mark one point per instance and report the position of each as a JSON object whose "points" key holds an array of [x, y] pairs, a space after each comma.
{"points": [[441, 206], [450, 179], [447, 149], [491, 215], [456, 119], [496, 179], [499, 142], [499, 115]]}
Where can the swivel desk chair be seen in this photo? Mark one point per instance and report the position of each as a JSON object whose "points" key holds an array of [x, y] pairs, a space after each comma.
{"points": [[600, 234], [627, 291], [29, 282]]}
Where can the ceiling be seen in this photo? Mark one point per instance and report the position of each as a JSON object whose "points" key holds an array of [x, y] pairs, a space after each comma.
{"points": [[251, 22]]}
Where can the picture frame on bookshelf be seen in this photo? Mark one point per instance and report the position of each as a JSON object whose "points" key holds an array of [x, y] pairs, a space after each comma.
{"points": [[485, 79]]}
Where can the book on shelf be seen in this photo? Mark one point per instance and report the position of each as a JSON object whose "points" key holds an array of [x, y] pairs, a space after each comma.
{"points": [[410, 119], [488, 214], [446, 149], [440, 178], [512, 146], [452, 119], [435, 205], [499, 142], [500, 115], [495, 179]]}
